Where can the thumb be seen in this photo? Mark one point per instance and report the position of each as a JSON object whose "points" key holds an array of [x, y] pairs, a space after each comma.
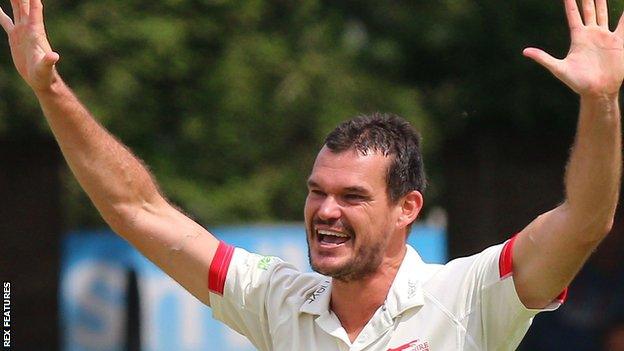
{"points": [[44, 70], [544, 59], [46, 65], [50, 59]]}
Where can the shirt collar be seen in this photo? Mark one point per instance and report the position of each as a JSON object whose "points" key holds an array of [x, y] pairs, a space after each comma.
{"points": [[317, 302], [405, 292]]}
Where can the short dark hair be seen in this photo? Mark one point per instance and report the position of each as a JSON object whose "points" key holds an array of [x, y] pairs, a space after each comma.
{"points": [[389, 135]]}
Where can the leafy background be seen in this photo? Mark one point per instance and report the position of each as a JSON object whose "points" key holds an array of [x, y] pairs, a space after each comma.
{"points": [[228, 101]]}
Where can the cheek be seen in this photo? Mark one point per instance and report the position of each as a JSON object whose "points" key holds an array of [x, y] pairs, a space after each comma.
{"points": [[308, 209], [372, 225], [360, 223]]}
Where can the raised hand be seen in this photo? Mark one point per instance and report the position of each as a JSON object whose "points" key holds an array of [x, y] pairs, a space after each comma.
{"points": [[32, 55], [594, 65]]}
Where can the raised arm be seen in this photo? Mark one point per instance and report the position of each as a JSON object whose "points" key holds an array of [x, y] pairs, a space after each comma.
{"points": [[550, 251], [119, 185]]}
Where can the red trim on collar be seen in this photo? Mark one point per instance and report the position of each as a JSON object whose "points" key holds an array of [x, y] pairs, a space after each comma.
{"points": [[219, 267], [505, 266]]}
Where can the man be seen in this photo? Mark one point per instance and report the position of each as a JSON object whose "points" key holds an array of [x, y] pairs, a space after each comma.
{"points": [[364, 193]]}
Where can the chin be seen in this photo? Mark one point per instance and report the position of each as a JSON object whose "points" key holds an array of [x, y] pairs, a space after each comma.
{"points": [[345, 267], [343, 271], [329, 266]]}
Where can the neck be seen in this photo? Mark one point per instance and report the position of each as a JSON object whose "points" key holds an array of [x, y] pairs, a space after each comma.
{"points": [[355, 302]]}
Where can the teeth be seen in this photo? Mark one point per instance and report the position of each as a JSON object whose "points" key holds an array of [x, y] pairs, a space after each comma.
{"points": [[329, 232]]}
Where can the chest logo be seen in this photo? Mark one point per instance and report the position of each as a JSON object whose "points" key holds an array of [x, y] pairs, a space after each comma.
{"points": [[415, 345]]}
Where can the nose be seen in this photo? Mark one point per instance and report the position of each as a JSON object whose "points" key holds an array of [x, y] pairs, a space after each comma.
{"points": [[329, 209]]}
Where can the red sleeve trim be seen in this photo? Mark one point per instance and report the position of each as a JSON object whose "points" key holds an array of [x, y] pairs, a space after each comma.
{"points": [[219, 267], [563, 296], [505, 261], [505, 266]]}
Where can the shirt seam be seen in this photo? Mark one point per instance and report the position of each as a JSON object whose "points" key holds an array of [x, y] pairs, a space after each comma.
{"points": [[456, 321]]}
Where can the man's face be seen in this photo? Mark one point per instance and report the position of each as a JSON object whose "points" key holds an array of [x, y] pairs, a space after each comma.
{"points": [[349, 218]]}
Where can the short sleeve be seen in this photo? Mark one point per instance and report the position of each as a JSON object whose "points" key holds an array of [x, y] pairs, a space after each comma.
{"points": [[505, 320], [239, 282], [250, 293]]}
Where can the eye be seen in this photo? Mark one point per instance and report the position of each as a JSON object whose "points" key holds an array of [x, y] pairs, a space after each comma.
{"points": [[317, 192], [354, 197]]}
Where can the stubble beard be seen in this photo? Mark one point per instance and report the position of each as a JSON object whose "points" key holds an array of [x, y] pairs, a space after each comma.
{"points": [[362, 264]]}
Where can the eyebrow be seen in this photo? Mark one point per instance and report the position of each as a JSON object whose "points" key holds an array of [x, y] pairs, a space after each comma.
{"points": [[313, 184], [356, 189], [349, 189]]}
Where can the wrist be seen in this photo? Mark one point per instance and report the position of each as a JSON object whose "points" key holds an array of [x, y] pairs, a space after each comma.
{"points": [[53, 87], [600, 105], [606, 99]]}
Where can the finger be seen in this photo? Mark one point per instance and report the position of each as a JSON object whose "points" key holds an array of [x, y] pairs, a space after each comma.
{"points": [[572, 14], [5, 21], [602, 13], [36, 11], [47, 64], [24, 7], [619, 30], [589, 12], [544, 59], [16, 13], [51, 58]]}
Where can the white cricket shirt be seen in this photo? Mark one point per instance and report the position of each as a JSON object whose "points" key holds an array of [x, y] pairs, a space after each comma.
{"points": [[468, 304]]}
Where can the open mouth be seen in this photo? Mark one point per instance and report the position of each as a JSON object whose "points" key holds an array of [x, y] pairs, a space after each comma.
{"points": [[330, 237]]}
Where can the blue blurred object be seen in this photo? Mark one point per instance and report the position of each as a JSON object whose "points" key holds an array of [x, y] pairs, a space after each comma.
{"points": [[94, 287]]}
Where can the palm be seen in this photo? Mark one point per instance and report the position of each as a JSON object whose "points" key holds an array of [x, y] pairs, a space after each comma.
{"points": [[32, 55], [595, 63]]}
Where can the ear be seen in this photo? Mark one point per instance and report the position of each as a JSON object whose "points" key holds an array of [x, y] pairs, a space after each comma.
{"points": [[410, 206]]}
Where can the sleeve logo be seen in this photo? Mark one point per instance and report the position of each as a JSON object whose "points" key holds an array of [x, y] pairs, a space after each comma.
{"points": [[265, 262]]}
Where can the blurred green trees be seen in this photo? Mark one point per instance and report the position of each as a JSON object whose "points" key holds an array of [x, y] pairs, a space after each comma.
{"points": [[228, 101]]}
